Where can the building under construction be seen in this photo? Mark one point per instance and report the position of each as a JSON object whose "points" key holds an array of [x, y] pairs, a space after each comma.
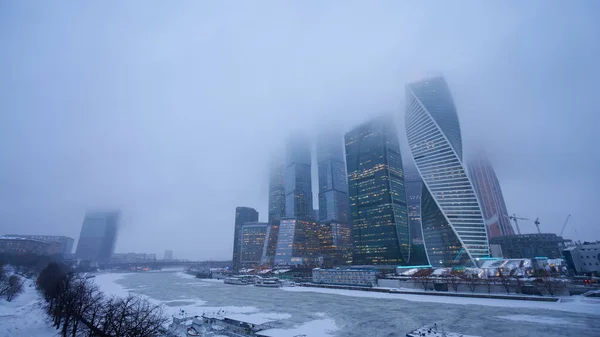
{"points": [[530, 246]]}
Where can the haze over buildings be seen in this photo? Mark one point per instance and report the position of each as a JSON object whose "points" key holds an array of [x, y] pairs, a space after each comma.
{"points": [[171, 112], [98, 235]]}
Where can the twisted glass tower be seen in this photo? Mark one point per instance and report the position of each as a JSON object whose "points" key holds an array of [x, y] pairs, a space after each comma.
{"points": [[454, 231]]}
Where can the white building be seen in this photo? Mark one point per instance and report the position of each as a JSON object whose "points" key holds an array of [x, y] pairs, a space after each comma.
{"points": [[352, 277]]}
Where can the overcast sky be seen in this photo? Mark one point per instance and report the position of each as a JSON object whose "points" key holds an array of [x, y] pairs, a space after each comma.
{"points": [[168, 110]]}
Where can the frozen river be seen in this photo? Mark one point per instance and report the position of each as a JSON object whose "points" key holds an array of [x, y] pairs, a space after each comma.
{"points": [[323, 312]]}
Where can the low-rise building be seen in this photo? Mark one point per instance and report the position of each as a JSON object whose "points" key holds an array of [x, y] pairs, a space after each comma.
{"points": [[530, 246], [351, 277], [66, 243], [20, 246], [583, 258]]}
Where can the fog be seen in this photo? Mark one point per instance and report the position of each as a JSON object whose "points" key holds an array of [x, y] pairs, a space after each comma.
{"points": [[169, 111]]}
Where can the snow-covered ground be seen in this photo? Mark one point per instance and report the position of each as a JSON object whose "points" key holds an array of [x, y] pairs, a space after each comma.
{"points": [[24, 316]]}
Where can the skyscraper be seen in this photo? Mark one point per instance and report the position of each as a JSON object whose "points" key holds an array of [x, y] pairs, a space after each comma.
{"points": [[414, 187], [298, 242], [378, 212], [98, 236], [488, 190], [242, 215], [254, 243], [276, 203], [298, 186], [334, 227], [453, 229]]}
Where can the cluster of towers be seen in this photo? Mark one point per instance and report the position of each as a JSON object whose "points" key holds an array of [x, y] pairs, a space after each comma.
{"points": [[372, 212]]}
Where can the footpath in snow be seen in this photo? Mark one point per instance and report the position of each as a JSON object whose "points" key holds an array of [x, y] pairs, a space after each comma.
{"points": [[24, 316]]}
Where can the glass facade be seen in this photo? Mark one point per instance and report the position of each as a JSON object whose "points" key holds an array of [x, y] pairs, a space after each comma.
{"points": [[378, 211], [298, 242], [335, 243], [454, 232], [488, 190], [98, 236], [414, 186], [298, 186], [254, 242], [242, 215], [333, 187], [276, 203]]}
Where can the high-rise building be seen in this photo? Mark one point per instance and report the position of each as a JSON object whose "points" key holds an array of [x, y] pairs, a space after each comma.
{"points": [[66, 243], [168, 255], [254, 243], [298, 242], [453, 228], [242, 215], [334, 227], [98, 236], [414, 187], [333, 187], [378, 212], [488, 190], [276, 203], [298, 183]]}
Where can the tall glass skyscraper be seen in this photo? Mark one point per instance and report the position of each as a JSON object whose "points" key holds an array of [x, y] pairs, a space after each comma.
{"points": [[298, 183], [254, 243], [414, 189], [276, 203], [298, 242], [98, 236], [378, 212], [453, 228], [242, 216], [488, 190], [334, 228]]}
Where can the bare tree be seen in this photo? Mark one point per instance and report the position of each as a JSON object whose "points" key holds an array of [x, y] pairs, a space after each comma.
{"points": [[15, 287], [471, 281], [551, 284], [452, 281], [505, 280], [423, 276], [488, 282]]}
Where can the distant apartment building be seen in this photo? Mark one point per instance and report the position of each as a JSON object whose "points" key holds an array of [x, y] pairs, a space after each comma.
{"points": [[98, 236], [242, 215], [254, 244], [168, 255], [530, 246], [378, 211], [16, 245], [488, 191], [132, 258], [66, 243]]}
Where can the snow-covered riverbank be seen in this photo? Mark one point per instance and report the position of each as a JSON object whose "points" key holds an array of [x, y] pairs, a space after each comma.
{"points": [[24, 316]]}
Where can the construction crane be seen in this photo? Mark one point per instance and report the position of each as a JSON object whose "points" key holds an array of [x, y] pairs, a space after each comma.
{"points": [[537, 224], [565, 224], [515, 218]]}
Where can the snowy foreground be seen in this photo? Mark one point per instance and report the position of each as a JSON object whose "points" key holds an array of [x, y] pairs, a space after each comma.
{"points": [[320, 312], [24, 316]]}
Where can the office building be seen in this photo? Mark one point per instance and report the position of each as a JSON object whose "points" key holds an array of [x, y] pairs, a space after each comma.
{"points": [[254, 243], [298, 186], [583, 258], [19, 245], [414, 187], [66, 243], [334, 227], [454, 231], [98, 236], [488, 190], [530, 246], [168, 255], [242, 215], [298, 243], [349, 277], [378, 211], [276, 203]]}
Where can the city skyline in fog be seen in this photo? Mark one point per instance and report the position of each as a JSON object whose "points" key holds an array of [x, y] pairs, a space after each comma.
{"points": [[170, 112]]}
